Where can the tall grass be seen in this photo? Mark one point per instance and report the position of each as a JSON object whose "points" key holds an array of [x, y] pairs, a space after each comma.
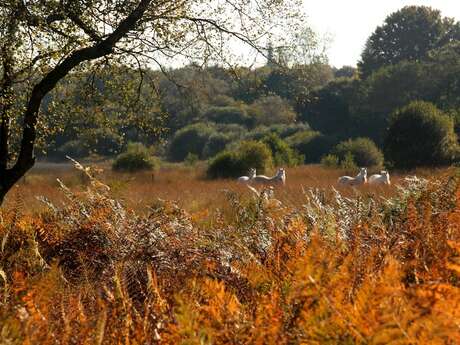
{"points": [[329, 267]]}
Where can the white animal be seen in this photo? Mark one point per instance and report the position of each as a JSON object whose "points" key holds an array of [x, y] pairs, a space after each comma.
{"points": [[361, 178], [279, 178], [382, 178], [247, 179]]}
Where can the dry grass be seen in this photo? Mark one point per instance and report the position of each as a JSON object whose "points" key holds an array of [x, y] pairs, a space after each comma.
{"points": [[311, 269], [187, 186]]}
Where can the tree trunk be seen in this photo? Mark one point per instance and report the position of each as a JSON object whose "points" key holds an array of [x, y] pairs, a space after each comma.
{"points": [[26, 158]]}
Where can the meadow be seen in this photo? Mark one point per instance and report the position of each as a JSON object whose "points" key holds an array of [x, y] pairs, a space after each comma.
{"points": [[186, 185], [222, 266]]}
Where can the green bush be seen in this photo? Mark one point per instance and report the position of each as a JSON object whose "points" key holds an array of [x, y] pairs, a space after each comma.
{"points": [[269, 110], [420, 134], [191, 159], [228, 115], [72, 148], [190, 139], [249, 154], [312, 145], [283, 131], [281, 152], [330, 161], [137, 157], [348, 163], [363, 151], [226, 164], [216, 143], [103, 141]]}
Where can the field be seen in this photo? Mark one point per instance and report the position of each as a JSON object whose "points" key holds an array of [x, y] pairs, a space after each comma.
{"points": [[173, 258], [187, 186]]}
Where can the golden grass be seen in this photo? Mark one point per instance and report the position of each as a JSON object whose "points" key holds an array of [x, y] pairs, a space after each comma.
{"points": [[186, 185], [352, 270]]}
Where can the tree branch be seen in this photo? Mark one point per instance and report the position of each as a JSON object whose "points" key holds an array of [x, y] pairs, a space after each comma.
{"points": [[26, 157]]}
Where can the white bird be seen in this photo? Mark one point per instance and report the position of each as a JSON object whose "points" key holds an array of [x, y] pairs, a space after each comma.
{"points": [[382, 178], [279, 178], [247, 179], [361, 178]]}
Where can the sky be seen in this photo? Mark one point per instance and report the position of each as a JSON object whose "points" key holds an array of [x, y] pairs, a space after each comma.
{"points": [[350, 23]]}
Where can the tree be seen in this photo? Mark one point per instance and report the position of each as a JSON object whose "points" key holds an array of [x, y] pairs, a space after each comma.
{"points": [[327, 110], [248, 154], [420, 135], [272, 110], [42, 41], [298, 81], [190, 139], [282, 154], [408, 34], [345, 72], [362, 151], [229, 114]]}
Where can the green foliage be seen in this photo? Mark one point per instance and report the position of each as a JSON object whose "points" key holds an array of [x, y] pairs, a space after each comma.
{"points": [[330, 161], [348, 162], [328, 109], [190, 139], [270, 110], [103, 141], [345, 72], [191, 159], [72, 148], [312, 145], [229, 114], [420, 135], [137, 157], [226, 164], [255, 154], [215, 144], [289, 83], [408, 34], [249, 154], [361, 151], [282, 154]]}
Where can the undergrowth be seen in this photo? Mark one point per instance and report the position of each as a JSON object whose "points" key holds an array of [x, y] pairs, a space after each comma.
{"points": [[339, 270]]}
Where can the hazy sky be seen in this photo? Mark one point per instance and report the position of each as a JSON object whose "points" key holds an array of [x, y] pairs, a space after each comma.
{"points": [[351, 22]]}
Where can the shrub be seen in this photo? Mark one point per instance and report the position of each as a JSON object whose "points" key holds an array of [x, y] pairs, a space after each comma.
{"points": [[72, 148], [190, 139], [271, 110], [229, 114], [215, 144], [348, 163], [225, 165], [137, 157], [191, 159], [281, 152], [312, 145], [103, 141], [363, 151], [420, 134], [249, 154], [283, 131], [254, 154], [330, 161]]}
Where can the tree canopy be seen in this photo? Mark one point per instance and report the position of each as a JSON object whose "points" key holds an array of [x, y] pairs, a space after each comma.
{"points": [[42, 41], [407, 34], [420, 135]]}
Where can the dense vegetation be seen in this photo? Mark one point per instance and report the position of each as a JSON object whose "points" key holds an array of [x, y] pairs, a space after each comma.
{"points": [[310, 107], [301, 263], [335, 270]]}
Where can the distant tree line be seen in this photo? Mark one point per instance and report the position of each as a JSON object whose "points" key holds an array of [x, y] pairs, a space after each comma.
{"points": [[403, 99]]}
